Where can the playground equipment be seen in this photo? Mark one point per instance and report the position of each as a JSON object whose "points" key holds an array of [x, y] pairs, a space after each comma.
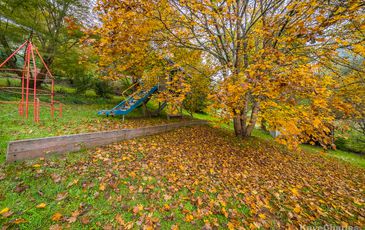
{"points": [[132, 102], [143, 95], [29, 76]]}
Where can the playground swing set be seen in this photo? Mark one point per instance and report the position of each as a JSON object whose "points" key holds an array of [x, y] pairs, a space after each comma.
{"points": [[29, 75]]}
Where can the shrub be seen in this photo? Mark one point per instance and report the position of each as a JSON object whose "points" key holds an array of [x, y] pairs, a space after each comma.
{"points": [[102, 88], [82, 82]]}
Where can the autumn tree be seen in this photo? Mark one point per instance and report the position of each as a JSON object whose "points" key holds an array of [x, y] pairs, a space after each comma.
{"points": [[129, 47], [272, 58]]}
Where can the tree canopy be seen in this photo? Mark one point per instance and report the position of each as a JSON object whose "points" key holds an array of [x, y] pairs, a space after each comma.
{"points": [[276, 61]]}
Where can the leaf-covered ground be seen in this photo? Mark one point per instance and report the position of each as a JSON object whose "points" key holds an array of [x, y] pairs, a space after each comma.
{"points": [[189, 178], [75, 119]]}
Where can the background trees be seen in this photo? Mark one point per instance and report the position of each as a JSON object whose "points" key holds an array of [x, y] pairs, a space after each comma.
{"points": [[55, 26]]}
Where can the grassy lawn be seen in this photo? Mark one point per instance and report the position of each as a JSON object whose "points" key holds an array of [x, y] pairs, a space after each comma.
{"points": [[353, 158], [190, 178], [79, 116], [181, 180]]}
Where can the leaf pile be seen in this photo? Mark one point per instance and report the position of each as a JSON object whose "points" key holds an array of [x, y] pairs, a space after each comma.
{"points": [[195, 177]]}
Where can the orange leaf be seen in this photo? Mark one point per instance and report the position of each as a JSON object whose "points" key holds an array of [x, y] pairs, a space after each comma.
{"points": [[189, 218], [57, 216]]}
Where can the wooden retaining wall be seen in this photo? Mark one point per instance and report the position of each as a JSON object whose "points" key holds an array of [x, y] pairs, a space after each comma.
{"points": [[41, 147]]}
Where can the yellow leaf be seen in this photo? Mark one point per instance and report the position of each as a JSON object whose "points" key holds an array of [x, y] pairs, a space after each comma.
{"points": [[297, 209], [132, 174], [189, 218], [175, 227], [5, 210], [41, 205], [102, 187], [230, 226], [262, 216], [57, 216], [295, 191], [166, 207], [36, 165]]}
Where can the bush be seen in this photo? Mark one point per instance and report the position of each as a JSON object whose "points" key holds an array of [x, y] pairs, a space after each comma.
{"points": [[102, 88], [195, 103], [82, 82], [354, 144]]}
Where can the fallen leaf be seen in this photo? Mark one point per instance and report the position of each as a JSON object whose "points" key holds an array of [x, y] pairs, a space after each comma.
{"points": [[55, 227], [297, 209], [19, 221], [56, 178], [72, 183], [295, 191], [7, 214], [262, 216], [21, 188], [167, 197], [207, 226], [108, 227], [61, 196], [137, 208], [119, 219], [72, 219], [4, 210], [2, 176], [57, 216], [230, 226], [189, 218], [166, 207], [132, 174], [41, 205], [84, 219]]}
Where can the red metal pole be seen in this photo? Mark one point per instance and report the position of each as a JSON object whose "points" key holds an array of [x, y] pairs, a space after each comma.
{"points": [[28, 76], [21, 106], [38, 109], [12, 55], [52, 99], [34, 83], [40, 57]]}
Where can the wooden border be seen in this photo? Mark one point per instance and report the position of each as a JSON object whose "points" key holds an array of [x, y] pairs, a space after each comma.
{"points": [[42, 147]]}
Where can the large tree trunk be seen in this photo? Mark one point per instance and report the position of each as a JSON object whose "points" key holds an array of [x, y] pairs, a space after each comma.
{"points": [[243, 125]]}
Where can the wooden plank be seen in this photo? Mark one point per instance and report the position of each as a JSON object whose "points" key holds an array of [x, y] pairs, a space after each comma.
{"points": [[42, 147]]}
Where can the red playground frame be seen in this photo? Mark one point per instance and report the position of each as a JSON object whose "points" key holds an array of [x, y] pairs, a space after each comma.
{"points": [[29, 77]]}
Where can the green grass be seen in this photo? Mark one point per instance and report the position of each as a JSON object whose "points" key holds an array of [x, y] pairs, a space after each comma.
{"points": [[79, 115], [83, 186], [84, 193], [352, 158]]}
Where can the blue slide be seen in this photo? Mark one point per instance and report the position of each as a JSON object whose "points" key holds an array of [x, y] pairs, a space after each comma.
{"points": [[130, 103]]}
